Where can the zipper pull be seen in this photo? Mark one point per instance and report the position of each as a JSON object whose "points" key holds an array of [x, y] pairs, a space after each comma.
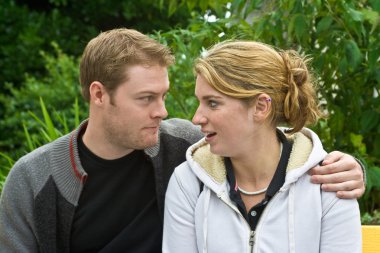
{"points": [[252, 238]]}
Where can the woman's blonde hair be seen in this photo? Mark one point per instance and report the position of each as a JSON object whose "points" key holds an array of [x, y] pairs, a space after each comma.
{"points": [[245, 69]]}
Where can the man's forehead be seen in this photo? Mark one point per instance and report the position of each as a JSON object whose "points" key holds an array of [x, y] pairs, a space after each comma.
{"points": [[147, 79]]}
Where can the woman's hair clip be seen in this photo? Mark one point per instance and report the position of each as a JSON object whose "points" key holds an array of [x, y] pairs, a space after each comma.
{"points": [[268, 99]]}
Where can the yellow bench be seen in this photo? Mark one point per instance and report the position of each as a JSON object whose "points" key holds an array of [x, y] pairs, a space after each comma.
{"points": [[371, 239]]}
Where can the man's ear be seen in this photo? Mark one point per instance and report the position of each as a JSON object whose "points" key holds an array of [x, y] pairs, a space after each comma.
{"points": [[262, 107], [97, 92]]}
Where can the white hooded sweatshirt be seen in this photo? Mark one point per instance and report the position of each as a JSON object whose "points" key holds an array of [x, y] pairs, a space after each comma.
{"points": [[299, 218]]}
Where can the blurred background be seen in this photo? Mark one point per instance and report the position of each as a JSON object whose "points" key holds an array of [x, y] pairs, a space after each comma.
{"points": [[41, 42]]}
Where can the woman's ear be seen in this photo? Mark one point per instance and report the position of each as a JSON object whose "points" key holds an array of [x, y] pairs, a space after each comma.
{"points": [[97, 92], [262, 106]]}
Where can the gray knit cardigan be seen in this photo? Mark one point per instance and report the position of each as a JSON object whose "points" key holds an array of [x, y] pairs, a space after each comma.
{"points": [[41, 192]]}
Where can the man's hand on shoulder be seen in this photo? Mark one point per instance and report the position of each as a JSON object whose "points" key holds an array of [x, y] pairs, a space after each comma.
{"points": [[340, 173]]}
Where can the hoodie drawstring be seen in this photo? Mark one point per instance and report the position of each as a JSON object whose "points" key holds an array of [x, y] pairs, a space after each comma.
{"points": [[291, 219], [205, 215]]}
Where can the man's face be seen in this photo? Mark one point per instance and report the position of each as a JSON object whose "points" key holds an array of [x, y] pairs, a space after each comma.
{"points": [[131, 118]]}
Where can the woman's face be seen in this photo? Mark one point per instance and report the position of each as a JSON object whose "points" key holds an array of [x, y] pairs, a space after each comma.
{"points": [[227, 122]]}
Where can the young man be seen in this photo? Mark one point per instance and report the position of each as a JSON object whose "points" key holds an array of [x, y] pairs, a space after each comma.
{"points": [[101, 188]]}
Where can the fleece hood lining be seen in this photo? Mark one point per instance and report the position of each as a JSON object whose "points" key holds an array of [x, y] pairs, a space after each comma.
{"points": [[213, 165]]}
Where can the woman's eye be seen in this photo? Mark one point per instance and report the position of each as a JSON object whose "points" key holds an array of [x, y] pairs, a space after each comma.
{"points": [[212, 104]]}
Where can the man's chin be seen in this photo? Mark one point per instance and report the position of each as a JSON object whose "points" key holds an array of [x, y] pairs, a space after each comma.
{"points": [[150, 142]]}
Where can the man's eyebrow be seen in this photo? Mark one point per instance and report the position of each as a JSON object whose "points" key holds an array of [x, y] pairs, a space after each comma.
{"points": [[151, 92]]}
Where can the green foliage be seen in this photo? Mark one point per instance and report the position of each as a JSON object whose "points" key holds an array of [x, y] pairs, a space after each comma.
{"points": [[30, 25], [371, 200], [26, 31], [50, 126], [371, 218], [5, 168], [58, 89]]}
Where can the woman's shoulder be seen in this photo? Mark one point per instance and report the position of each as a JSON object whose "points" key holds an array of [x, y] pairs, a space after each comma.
{"points": [[184, 174]]}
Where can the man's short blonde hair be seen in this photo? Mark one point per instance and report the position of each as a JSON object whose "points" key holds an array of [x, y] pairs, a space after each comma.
{"points": [[107, 57]]}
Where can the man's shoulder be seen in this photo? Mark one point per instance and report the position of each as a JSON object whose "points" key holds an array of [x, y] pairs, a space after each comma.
{"points": [[38, 159], [181, 128]]}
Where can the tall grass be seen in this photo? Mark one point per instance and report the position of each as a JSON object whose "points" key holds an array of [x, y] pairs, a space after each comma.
{"points": [[52, 125]]}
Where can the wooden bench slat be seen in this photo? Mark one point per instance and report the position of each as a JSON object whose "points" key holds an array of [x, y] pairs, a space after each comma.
{"points": [[371, 239]]}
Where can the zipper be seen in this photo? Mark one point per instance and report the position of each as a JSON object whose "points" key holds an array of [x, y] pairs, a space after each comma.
{"points": [[252, 235], [251, 239], [258, 227]]}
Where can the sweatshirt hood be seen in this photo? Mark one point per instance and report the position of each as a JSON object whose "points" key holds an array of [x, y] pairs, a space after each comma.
{"points": [[307, 151]]}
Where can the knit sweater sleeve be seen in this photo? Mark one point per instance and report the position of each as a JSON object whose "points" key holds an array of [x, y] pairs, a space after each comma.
{"points": [[182, 128], [16, 212]]}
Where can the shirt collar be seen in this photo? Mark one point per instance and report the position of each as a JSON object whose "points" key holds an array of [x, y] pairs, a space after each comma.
{"points": [[279, 176]]}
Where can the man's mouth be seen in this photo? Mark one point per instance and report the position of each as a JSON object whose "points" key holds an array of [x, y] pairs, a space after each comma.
{"points": [[152, 128]]}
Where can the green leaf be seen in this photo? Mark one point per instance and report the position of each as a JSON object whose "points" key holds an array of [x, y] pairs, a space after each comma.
{"points": [[371, 16], [373, 55], [353, 54], [8, 158], [203, 4], [375, 5], [237, 5], [260, 27], [324, 24], [218, 6], [343, 66], [369, 120], [376, 146], [373, 175], [29, 141], [298, 25], [191, 4], [37, 119], [172, 7], [161, 4], [290, 3], [355, 15], [48, 122], [76, 112], [357, 142], [336, 120]]}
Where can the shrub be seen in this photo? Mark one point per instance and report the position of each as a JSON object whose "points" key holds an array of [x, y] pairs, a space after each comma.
{"points": [[59, 89]]}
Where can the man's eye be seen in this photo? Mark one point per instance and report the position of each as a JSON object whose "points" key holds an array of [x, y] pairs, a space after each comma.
{"points": [[147, 99]]}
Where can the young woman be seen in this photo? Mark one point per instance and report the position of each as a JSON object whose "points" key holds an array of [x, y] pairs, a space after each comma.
{"points": [[245, 187]]}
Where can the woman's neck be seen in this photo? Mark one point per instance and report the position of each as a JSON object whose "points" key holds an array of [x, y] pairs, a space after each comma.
{"points": [[255, 168]]}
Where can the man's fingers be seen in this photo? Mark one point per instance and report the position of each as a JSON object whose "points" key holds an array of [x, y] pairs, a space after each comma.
{"points": [[338, 177], [326, 169], [332, 157], [338, 166], [344, 186], [354, 194], [339, 173], [346, 190]]}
